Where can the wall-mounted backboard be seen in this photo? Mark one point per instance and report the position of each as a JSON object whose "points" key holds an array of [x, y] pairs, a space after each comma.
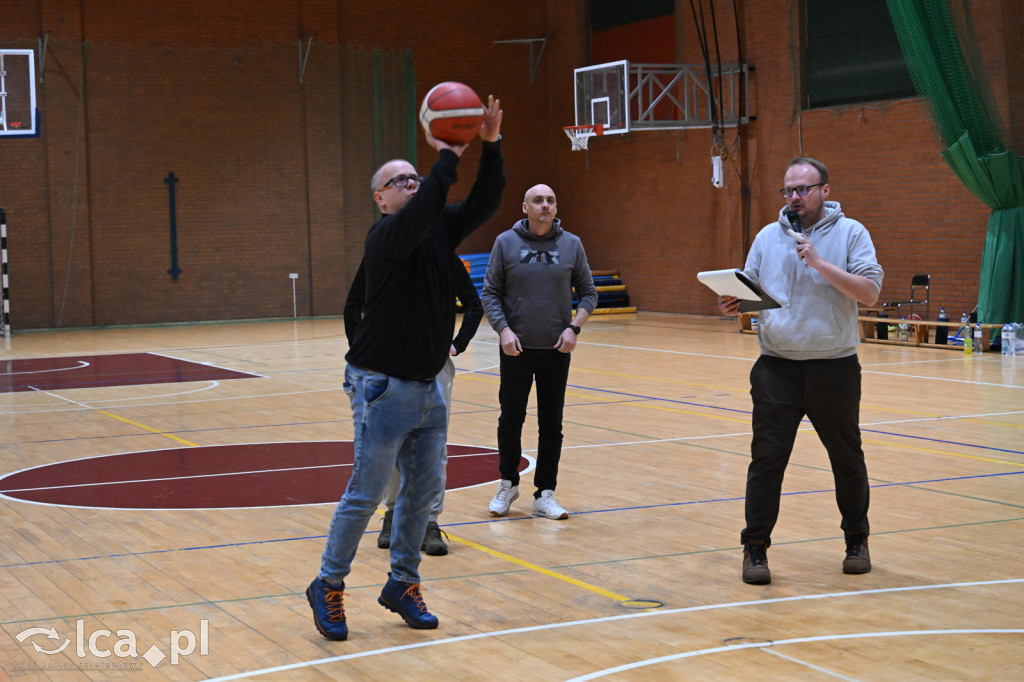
{"points": [[601, 96], [18, 114]]}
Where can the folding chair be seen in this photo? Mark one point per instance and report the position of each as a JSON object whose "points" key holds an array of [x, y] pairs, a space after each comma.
{"points": [[918, 284]]}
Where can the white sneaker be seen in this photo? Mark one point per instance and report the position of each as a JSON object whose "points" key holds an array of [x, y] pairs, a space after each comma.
{"points": [[546, 506], [503, 499]]}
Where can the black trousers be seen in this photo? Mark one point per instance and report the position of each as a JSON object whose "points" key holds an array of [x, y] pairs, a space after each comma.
{"points": [[828, 393], [550, 369]]}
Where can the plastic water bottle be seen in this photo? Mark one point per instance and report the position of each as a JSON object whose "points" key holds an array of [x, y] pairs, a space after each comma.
{"points": [[904, 330], [978, 345], [968, 343], [1009, 339]]}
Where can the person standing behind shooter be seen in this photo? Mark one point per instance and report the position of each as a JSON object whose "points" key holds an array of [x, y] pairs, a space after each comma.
{"points": [[433, 544], [527, 296], [808, 363], [400, 346]]}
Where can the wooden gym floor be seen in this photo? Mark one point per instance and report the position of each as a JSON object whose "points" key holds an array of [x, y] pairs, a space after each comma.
{"points": [[641, 583]]}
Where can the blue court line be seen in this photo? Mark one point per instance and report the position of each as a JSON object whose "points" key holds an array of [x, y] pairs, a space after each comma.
{"points": [[944, 442], [738, 499], [498, 520], [749, 413], [635, 396]]}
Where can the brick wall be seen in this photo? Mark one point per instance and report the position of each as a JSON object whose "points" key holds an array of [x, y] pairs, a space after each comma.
{"points": [[210, 91], [647, 206]]}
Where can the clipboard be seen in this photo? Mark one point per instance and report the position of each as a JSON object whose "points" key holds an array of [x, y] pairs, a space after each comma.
{"points": [[733, 282]]}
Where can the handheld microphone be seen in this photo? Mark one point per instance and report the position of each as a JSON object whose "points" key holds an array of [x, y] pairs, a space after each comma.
{"points": [[795, 231], [794, 220]]}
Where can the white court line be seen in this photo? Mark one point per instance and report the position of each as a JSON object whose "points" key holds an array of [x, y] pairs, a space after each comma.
{"points": [[205, 364], [749, 359], [86, 405], [212, 384], [81, 365], [753, 359], [653, 350], [190, 402], [930, 361], [608, 619], [945, 418], [129, 481], [93, 403], [795, 640], [818, 668], [531, 465], [478, 369], [952, 381], [138, 402]]}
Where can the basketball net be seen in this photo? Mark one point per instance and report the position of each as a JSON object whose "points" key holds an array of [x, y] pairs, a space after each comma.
{"points": [[580, 135]]}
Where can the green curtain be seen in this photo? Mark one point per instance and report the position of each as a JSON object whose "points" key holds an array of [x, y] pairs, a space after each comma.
{"points": [[939, 59], [378, 123], [378, 108]]}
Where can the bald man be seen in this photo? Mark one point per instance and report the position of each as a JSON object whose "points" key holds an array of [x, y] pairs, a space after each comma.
{"points": [[527, 295], [400, 345]]}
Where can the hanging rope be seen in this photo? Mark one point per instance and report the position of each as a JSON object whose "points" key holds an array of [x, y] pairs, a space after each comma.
{"points": [[74, 195], [714, 110], [702, 37]]}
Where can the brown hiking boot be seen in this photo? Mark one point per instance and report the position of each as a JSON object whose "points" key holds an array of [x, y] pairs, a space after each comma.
{"points": [[857, 560], [755, 564], [384, 539], [432, 542]]}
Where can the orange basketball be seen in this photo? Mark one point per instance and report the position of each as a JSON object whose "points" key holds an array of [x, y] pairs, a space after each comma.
{"points": [[452, 112]]}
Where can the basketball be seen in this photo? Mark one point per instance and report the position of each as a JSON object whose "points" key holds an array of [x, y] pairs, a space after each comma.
{"points": [[452, 112]]}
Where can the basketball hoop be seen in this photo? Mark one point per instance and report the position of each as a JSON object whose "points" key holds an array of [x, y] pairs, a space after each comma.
{"points": [[580, 135]]}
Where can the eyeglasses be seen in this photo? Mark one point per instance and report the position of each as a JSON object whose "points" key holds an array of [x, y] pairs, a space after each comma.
{"points": [[800, 191], [402, 181]]}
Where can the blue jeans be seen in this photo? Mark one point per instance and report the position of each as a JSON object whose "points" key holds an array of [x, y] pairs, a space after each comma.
{"points": [[447, 377], [401, 423]]}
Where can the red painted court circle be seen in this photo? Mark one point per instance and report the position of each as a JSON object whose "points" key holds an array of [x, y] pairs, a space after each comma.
{"points": [[219, 476]]}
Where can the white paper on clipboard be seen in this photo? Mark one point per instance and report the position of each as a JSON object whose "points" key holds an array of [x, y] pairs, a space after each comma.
{"points": [[732, 282]]}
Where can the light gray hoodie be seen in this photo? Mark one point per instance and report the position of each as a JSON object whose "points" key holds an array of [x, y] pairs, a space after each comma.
{"points": [[816, 320]]}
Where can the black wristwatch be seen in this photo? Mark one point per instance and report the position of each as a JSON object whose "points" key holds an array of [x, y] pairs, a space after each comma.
{"points": [[575, 329]]}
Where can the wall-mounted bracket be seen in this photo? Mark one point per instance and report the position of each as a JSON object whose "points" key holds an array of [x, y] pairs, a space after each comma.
{"points": [[535, 53]]}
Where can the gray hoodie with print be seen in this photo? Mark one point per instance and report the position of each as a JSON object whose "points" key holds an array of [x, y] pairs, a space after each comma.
{"points": [[529, 282], [816, 320]]}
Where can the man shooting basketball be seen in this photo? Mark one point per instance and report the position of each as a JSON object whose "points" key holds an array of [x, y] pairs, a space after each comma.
{"points": [[399, 347]]}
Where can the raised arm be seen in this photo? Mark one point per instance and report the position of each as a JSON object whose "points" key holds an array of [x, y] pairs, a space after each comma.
{"points": [[484, 198]]}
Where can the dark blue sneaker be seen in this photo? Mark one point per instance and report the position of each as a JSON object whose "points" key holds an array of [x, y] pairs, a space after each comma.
{"points": [[406, 599], [328, 609]]}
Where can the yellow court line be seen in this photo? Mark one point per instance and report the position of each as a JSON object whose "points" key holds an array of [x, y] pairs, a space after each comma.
{"points": [[539, 569], [146, 428], [945, 452]]}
